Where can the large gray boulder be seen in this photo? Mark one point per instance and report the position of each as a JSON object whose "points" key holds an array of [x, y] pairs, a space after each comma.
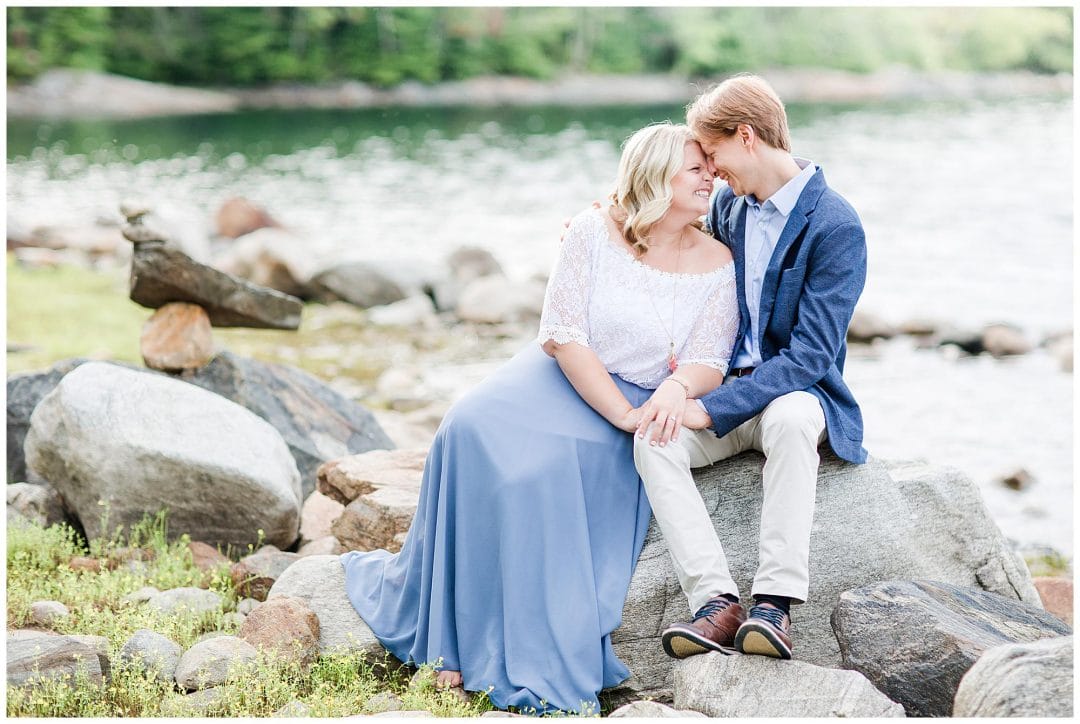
{"points": [[1029, 680], [152, 654], [209, 663], [718, 685], [319, 581], [916, 639], [362, 283], [139, 442], [33, 656], [872, 522], [317, 423]]}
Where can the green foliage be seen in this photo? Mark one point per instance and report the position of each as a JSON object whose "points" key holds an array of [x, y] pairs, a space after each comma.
{"points": [[216, 45], [335, 685]]}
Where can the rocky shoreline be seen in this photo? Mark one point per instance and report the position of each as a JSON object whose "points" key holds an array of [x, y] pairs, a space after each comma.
{"points": [[65, 93]]}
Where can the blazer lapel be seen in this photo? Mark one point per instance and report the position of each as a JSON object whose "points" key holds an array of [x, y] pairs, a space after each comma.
{"points": [[797, 221], [737, 234]]}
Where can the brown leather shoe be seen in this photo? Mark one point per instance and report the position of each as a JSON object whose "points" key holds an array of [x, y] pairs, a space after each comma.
{"points": [[765, 632], [712, 629]]}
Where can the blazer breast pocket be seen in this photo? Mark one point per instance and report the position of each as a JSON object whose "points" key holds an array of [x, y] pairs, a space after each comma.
{"points": [[788, 292]]}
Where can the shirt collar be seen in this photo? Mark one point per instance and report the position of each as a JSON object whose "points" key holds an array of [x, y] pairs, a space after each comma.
{"points": [[787, 196]]}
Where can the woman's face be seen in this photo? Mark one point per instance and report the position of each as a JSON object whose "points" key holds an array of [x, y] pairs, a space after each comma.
{"points": [[693, 184]]}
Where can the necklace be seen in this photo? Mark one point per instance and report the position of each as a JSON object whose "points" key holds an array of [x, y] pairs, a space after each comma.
{"points": [[672, 361]]}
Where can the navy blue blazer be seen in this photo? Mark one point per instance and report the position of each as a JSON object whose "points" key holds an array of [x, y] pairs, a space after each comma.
{"points": [[808, 295]]}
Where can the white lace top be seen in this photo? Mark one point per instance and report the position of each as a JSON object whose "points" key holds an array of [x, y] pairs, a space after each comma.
{"points": [[603, 298]]}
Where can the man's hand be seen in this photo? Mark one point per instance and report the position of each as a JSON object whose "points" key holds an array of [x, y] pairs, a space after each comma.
{"points": [[567, 220], [694, 417]]}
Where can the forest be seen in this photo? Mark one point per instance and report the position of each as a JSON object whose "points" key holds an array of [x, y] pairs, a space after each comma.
{"points": [[384, 46]]}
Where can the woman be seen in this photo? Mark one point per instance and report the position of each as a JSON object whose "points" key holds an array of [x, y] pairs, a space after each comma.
{"points": [[531, 514]]}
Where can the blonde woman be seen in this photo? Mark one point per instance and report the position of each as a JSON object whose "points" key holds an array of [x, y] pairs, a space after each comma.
{"points": [[531, 514]]}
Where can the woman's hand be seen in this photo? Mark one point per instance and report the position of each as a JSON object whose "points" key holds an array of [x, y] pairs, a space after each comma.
{"points": [[664, 411]]}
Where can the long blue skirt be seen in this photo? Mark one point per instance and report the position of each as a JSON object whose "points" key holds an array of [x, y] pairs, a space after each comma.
{"points": [[516, 567]]}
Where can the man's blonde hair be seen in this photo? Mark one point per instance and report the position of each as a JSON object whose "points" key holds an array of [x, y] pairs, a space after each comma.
{"points": [[717, 113], [650, 159]]}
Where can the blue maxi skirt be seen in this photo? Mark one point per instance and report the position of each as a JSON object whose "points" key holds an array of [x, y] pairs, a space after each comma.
{"points": [[516, 567]]}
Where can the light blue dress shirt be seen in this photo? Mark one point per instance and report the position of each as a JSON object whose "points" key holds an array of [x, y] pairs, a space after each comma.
{"points": [[764, 224]]}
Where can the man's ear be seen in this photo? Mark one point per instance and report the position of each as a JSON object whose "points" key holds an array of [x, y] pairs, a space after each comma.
{"points": [[746, 134]]}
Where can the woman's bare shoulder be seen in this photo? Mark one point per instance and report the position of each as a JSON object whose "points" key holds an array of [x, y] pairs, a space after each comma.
{"points": [[712, 254]]}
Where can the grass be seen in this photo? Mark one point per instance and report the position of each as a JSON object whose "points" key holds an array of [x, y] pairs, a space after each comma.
{"points": [[335, 685]]}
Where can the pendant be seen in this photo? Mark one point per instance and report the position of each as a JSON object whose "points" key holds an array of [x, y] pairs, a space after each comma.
{"points": [[672, 362]]}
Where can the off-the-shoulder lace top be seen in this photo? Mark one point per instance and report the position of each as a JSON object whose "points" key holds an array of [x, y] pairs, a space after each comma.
{"points": [[603, 298]]}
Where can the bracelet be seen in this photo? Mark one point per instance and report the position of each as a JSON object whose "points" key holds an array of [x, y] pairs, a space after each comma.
{"points": [[685, 386]]}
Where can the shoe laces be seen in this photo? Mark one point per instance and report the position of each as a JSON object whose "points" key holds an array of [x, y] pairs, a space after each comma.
{"points": [[773, 615], [715, 605]]}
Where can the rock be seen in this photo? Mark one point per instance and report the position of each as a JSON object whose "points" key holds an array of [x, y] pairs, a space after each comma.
{"points": [[967, 340], [142, 595], [247, 605], [319, 581], [152, 654], [24, 392], [161, 275], [286, 626], [84, 563], [364, 284], [293, 710], [239, 216], [352, 477], [187, 598], [99, 645], [207, 664], [915, 639], [866, 327], [757, 686], [384, 487], [325, 546], [1003, 340], [205, 557], [63, 92], [177, 337], [47, 613], [38, 258], [201, 703], [1019, 479], [317, 516], [414, 311], [1019, 680], [33, 656], [919, 327], [272, 258], [464, 265], [141, 442], [254, 575], [177, 223], [1056, 595], [211, 635], [650, 710], [496, 299], [39, 503], [401, 430], [383, 701], [232, 621], [912, 521], [317, 423]]}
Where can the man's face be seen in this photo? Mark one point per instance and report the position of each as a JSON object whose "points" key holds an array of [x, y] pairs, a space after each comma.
{"points": [[730, 161]]}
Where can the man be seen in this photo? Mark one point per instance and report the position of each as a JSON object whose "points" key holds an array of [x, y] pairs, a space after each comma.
{"points": [[800, 260]]}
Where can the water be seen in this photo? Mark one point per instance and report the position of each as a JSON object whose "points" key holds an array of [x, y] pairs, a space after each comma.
{"points": [[967, 208]]}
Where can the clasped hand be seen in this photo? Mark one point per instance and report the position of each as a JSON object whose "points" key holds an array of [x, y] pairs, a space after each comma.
{"points": [[663, 415]]}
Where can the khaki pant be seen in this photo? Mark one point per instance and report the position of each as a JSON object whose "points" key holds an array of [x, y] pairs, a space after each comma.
{"points": [[788, 432]]}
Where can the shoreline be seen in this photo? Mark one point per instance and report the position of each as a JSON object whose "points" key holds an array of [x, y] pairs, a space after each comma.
{"points": [[77, 94]]}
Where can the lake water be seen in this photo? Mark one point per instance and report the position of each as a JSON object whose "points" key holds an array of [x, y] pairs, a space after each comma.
{"points": [[967, 208]]}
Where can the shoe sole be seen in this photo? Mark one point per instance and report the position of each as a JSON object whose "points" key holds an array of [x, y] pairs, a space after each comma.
{"points": [[761, 640], [679, 644]]}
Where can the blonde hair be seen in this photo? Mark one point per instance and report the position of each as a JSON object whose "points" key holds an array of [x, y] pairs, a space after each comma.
{"points": [[744, 98], [650, 159]]}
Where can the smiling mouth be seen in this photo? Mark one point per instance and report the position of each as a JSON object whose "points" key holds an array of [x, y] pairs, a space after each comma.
{"points": [[702, 194]]}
